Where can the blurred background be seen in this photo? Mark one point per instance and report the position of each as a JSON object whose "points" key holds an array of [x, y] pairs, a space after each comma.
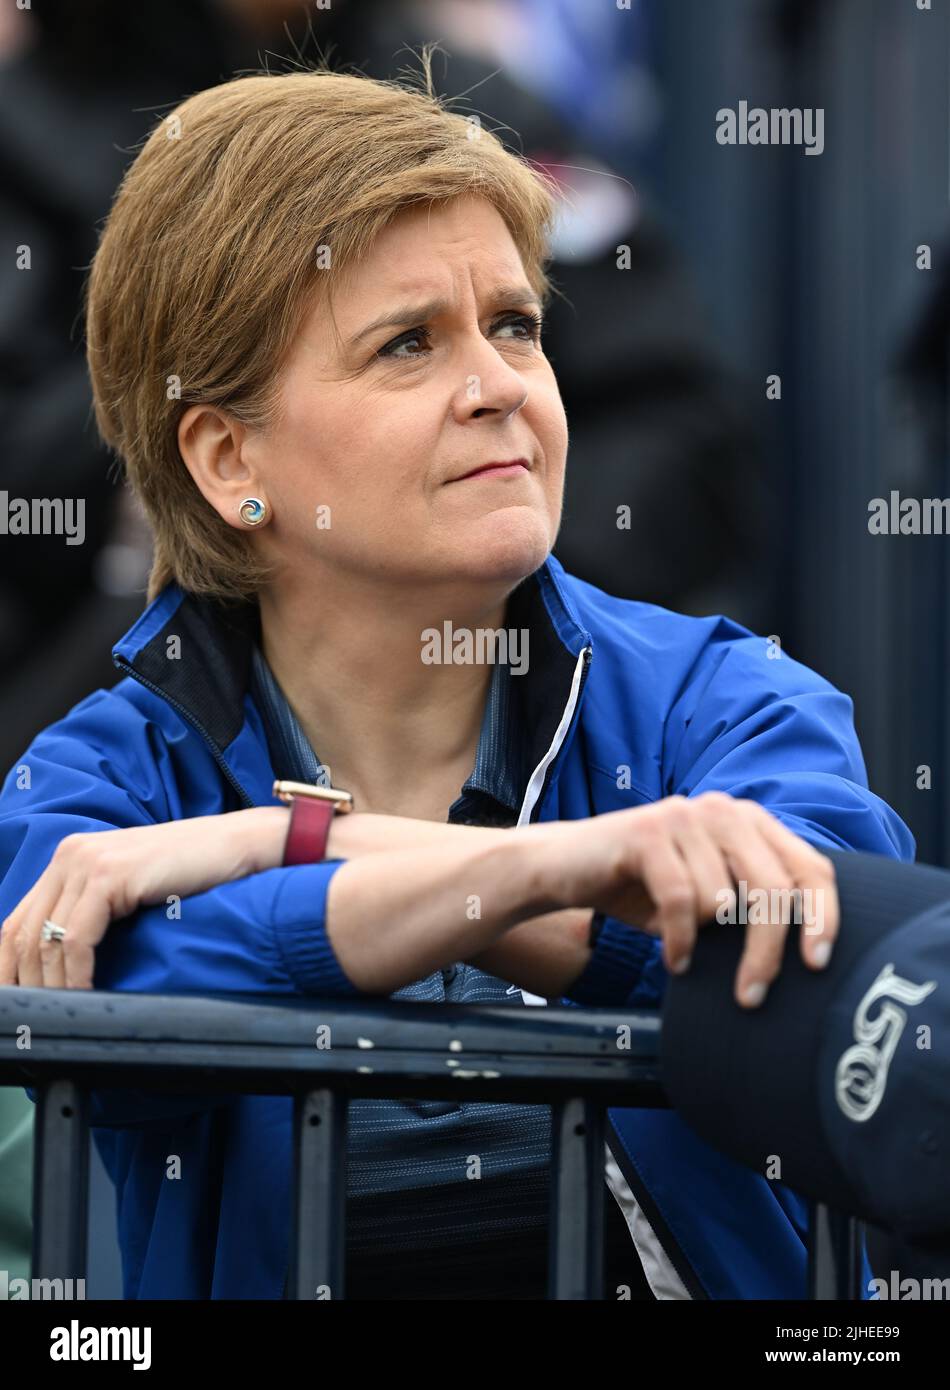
{"points": [[752, 342]]}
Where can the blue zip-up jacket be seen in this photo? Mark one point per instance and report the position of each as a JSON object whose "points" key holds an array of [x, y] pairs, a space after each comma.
{"points": [[623, 704]]}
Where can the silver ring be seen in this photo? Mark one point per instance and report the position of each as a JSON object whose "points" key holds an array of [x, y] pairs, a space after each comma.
{"points": [[51, 932]]}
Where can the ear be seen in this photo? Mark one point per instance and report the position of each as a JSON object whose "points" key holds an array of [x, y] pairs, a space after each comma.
{"points": [[211, 443]]}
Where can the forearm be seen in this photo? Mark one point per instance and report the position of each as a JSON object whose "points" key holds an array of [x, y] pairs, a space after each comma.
{"points": [[397, 916], [365, 832], [544, 955], [260, 835]]}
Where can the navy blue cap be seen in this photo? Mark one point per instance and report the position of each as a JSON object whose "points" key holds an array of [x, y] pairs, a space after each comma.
{"points": [[839, 1084]]}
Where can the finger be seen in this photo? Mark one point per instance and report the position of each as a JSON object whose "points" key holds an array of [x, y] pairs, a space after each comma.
{"points": [[710, 873], [8, 952], [666, 875], [7, 955], [28, 942], [8, 935], [19, 941], [814, 875], [769, 906], [51, 952], [89, 919]]}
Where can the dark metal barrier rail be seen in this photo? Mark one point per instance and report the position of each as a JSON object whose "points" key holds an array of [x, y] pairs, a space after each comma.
{"points": [[579, 1061]]}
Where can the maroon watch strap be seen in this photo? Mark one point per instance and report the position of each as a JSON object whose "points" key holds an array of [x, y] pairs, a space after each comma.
{"points": [[309, 831]]}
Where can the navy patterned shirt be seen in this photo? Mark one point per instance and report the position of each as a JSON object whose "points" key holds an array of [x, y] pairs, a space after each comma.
{"points": [[429, 1175]]}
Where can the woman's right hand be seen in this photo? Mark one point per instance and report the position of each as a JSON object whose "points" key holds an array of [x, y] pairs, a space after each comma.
{"points": [[670, 866], [96, 877]]}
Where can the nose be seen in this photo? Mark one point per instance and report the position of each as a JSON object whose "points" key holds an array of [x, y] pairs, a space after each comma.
{"points": [[491, 387]]}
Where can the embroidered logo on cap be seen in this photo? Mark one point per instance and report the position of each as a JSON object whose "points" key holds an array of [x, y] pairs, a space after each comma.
{"points": [[861, 1074]]}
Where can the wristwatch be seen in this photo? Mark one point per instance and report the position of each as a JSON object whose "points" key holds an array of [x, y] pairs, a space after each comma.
{"points": [[311, 811]]}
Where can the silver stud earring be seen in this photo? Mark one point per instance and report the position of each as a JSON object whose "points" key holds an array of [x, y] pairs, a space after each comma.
{"points": [[252, 511]]}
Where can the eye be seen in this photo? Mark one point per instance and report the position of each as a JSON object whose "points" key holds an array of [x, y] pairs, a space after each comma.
{"points": [[420, 334], [529, 324]]}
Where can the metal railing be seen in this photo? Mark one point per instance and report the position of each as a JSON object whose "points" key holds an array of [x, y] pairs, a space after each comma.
{"points": [[569, 1058]]}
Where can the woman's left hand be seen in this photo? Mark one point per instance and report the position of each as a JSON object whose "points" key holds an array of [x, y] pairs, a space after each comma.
{"points": [[97, 877]]}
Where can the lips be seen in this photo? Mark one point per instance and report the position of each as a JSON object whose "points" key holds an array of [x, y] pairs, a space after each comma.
{"points": [[498, 468]]}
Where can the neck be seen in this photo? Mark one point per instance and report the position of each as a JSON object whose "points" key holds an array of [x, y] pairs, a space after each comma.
{"points": [[391, 728]]}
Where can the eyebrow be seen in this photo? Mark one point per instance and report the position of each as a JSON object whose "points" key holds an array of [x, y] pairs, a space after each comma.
{"points": [[506, 297]]}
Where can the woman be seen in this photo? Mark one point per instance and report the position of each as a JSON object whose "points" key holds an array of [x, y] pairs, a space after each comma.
{"points": [[314, 339]]}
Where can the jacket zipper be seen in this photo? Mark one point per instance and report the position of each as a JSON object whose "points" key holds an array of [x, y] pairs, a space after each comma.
{"points": [[551, 756]]}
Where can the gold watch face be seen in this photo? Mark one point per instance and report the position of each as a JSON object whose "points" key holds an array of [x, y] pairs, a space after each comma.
{"points": [[286, 791]]}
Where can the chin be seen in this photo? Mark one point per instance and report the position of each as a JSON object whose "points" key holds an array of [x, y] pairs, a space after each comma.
{"points": [[508, 544]]}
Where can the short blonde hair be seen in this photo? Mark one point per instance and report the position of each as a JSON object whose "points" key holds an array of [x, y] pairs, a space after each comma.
{"points": [[209, 260]]}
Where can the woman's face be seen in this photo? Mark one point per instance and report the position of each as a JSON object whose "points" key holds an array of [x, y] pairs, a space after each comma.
{"points": [[363, 475]]}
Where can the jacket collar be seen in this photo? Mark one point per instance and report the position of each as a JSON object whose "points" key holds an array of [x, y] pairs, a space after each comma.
{"points": [[196, 654]]}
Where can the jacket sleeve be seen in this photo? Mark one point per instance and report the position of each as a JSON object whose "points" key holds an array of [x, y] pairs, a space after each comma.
{"points": [[773, 731], [265, 933], [625, 968]]}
